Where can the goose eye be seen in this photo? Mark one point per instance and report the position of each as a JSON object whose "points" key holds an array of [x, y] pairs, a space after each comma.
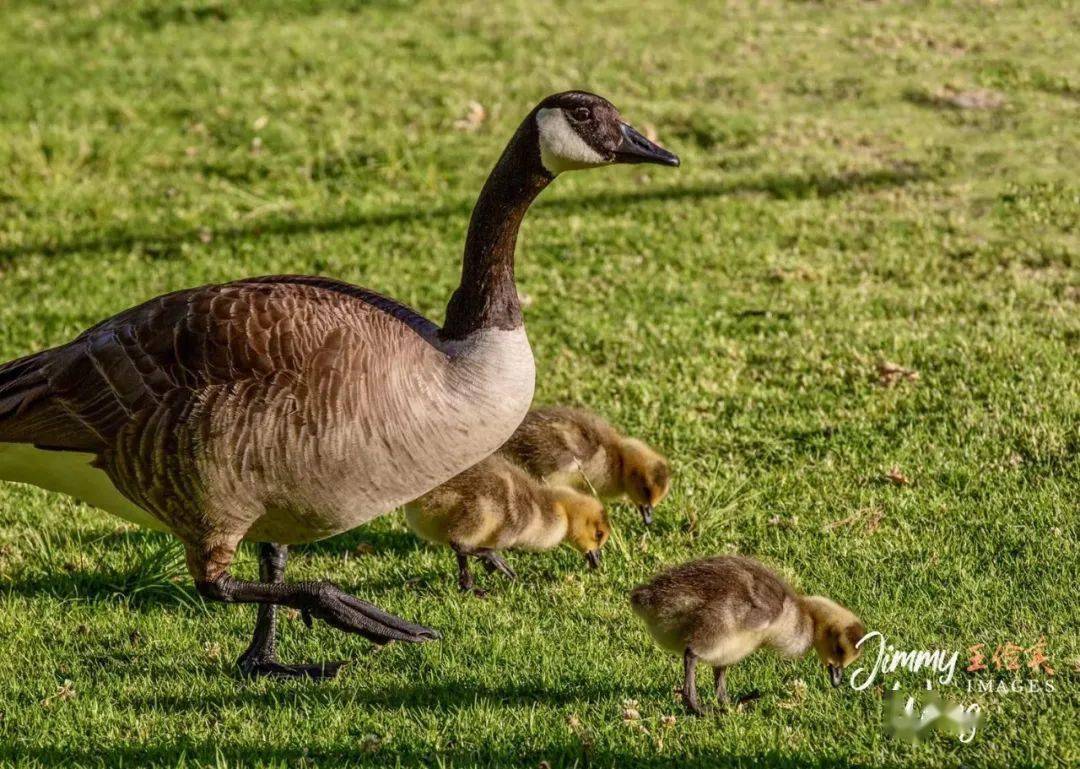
{"points": [[580, 114], [599, 535]]}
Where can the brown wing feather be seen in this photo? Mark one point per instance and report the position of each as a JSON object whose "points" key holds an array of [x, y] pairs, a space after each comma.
{"points": [[81, 395], [726, 592], [554, 436]]}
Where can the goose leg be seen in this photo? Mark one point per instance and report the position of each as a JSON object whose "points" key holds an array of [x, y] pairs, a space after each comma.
{"points": [[689, 689], [315, 600], [260, 658]]}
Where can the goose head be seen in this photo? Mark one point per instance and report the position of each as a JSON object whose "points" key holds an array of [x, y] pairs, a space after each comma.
{"points": [[576, 129]]}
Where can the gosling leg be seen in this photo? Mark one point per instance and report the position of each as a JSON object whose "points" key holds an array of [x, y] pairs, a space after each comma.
{"points": [[689, 689], [465, 577], [720, 674]]}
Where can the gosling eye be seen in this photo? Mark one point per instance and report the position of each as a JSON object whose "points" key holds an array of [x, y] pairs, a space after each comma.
{"points": [[599, 535], [580, 114]]}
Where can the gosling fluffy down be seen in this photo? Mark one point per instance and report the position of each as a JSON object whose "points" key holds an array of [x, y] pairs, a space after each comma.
{"points": [[496, 505], [719, 610], [577, 448]]}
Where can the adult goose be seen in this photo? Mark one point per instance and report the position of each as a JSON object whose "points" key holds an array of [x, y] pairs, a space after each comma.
{"points": [[287, 409]]}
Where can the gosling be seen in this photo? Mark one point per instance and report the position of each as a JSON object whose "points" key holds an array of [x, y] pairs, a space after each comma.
{"points": [[722, 609], [496, 505], [573, 447]]}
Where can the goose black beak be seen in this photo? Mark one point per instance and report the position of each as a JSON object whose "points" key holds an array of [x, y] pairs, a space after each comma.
{"points": [[593, 558], [635, 148], [836, 675], [646, 514]]}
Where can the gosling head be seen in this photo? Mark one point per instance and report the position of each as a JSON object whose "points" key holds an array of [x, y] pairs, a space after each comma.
{"points": [[582, 130], [646, 477], [587, 525], [837, 632]]}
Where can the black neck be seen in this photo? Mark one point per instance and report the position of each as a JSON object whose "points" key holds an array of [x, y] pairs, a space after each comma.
{"points": [[487, 296]]}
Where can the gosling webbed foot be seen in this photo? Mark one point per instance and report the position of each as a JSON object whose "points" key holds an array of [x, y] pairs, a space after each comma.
{"points": [[349, 614], [495, 563], [690, 701], [467, 585], [689, 688], [720, 678]]}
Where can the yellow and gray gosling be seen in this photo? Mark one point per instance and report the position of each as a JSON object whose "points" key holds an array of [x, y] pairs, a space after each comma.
{"points": [[574, 447], [496, 505], [719, 610]]}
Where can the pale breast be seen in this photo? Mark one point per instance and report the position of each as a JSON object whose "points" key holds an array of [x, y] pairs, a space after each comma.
{"points": [[406, 436], [731, 647]]}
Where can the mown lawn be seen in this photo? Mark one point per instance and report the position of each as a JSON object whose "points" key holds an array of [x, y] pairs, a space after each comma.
{"points": [[862, 184]]}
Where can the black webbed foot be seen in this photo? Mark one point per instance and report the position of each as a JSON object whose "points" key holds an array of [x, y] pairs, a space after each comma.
{"points": [[347, 613]]}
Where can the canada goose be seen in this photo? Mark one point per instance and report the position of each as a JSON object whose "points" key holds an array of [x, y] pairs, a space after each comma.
{"points": [[496, 505], [287, 409], [577, 448], [721, 609]]}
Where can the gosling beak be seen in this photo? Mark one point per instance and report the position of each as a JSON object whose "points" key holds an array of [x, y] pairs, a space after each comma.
{"points": [[593, 558], [635, 148], [646, 514], [836, 674]]}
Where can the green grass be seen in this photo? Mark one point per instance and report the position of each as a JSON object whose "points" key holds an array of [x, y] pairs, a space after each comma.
{"points": [[833, 211]]}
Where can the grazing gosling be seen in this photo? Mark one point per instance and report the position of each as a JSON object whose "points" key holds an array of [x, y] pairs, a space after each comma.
{"points": [[573, 447], [496, 505], [721, 609]]}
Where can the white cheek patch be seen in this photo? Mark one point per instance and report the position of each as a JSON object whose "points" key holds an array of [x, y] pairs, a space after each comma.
{"points": [[561, 148]]}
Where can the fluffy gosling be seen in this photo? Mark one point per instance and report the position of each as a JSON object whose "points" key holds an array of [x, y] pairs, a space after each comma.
{"points": [[573, 447], [722, 609], [496, 505]]}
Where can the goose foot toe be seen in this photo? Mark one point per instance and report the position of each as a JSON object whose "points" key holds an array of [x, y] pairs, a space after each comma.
{"points": [[352, 615]]}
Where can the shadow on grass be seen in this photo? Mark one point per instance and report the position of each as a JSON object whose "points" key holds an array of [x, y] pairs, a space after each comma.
{"points": [[391, 697], [372, 753], [154, 572], [134, 588], [778, 186], [157, 576], [380, 541]]}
